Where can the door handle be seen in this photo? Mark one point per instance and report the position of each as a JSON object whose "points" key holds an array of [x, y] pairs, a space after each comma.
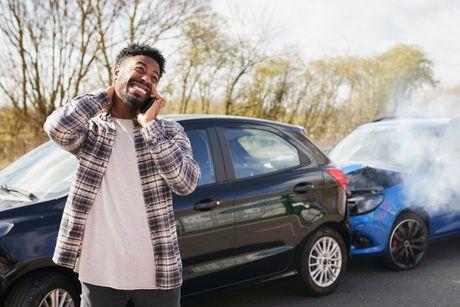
{"points": [[303, 187], [206, 204]]}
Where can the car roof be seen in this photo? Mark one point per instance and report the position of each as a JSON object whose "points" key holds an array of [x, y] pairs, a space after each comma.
{"points": [[389, 122], [215, 118]]}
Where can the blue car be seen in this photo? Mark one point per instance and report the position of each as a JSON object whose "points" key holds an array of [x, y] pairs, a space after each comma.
{"points": [[402, 184]]}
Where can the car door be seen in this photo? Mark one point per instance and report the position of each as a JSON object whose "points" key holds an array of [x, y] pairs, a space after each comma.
{"points": [[441, 195], [205, 218], [275, 186]]}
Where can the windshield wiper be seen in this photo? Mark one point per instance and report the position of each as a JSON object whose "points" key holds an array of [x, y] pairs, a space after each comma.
{"points": [[11, 190]]}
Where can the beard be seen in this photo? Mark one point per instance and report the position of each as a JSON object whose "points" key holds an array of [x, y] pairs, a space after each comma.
{"points": [[133, 101], [137, 104]]}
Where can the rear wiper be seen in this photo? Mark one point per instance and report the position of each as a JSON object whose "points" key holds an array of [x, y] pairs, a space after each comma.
{"points": [[11, 190]]}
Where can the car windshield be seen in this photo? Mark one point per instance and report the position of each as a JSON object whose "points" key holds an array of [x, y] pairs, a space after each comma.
{"points": [[46, 172], [400, 144]]}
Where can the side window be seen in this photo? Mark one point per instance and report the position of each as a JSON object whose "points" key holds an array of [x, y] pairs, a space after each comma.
{"points": [[256, 152], [202, 155]]}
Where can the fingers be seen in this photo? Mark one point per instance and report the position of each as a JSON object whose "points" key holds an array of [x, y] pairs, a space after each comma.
{"points": [[154, 93], [110, 91], [155, 108], [159, 100]]}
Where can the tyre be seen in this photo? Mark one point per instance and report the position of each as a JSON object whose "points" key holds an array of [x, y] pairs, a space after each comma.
{"points": [[407, 243], [323, 262], [44, 289]]}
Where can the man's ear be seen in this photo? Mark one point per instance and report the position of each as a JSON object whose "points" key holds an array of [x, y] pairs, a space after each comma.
{"points": [[115, 72]]}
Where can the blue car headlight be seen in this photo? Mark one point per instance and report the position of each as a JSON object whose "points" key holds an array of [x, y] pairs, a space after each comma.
{"points": [[364, 203]]}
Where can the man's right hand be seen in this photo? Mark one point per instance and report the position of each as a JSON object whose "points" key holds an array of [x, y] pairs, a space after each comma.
{"points": [[111, 91]]}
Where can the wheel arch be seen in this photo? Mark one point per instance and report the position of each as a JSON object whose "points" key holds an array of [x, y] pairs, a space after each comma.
{"points": [[388, 260], [341, 229], [311, 287], [418, 211], [49, 269]]}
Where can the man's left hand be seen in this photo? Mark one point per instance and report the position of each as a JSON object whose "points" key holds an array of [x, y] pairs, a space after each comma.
{"points": [[152, 112]]}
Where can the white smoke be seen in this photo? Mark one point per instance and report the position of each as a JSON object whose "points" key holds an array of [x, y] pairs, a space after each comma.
{"points": [[430, 104], [431, 153]]}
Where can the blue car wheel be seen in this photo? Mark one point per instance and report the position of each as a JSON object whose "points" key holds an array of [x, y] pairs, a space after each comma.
{"points": [[407, 243]]}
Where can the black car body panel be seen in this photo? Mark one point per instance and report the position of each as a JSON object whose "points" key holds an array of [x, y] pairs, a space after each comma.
{"points": [[231, 230]]}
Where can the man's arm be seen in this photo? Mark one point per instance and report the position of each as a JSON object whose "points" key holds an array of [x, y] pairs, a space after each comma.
{"points": [[68, 125], [173, 157]]}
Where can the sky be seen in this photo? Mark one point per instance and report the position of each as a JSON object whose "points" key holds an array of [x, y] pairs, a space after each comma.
{"points": [[324, 28]]}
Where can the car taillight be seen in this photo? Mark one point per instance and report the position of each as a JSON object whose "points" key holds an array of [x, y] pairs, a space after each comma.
{"points": [[338, 176]]}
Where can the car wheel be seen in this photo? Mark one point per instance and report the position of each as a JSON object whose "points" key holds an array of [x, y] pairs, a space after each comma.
{"points": [[323, 262], [407, 243], [44, 289]]}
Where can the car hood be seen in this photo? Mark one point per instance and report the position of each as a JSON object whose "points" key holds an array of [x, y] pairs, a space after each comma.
{"points": [[371, 176], [7, 203], [351, 166]]}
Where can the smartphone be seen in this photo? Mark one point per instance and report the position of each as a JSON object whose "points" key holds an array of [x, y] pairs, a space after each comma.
{"points": [[147, 104]]}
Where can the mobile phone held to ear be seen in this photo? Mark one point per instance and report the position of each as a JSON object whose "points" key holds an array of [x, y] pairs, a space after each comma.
{"points": [[147, 104]]}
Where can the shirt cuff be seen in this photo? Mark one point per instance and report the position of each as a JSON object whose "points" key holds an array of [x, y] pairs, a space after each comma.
{"points": [[153, 132]]}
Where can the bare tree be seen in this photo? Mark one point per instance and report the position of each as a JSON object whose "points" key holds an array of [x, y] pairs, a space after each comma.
{"points": [[149, 21], [203, 55], [58, 44], [244, 56], [52, 50], [55, 51]]}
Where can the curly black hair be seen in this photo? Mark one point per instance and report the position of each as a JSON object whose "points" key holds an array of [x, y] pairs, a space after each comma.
{"points": [[138, 49]]}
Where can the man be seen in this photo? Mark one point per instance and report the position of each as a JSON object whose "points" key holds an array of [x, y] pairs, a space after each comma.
{"points": [[118, 229]]}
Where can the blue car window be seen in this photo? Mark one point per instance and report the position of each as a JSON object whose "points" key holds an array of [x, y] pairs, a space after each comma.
{"points": [[202, 155], [256, 152]]}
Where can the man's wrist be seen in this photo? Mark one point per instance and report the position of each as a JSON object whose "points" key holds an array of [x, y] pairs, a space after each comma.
{"points": [[152, 132], [144, 121]]}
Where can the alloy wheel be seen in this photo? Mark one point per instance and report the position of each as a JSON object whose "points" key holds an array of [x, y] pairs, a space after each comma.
{"points": [[325, 261], [57, 298], [408, 243]]}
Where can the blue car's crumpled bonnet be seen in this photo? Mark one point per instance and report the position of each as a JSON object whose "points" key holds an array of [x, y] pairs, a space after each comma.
{"points": [[371, 176]]}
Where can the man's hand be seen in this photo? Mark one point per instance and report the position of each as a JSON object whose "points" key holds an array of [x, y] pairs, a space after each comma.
{"points": [[111, 92], [152, 112]]}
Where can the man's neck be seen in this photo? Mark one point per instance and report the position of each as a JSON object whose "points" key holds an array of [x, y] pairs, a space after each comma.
{"points": [[121, 110]]}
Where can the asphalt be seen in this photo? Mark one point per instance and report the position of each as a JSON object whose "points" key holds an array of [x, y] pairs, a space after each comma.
{"points": [[435, 282]]}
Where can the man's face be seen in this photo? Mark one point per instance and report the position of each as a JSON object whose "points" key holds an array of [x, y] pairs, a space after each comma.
{"points": [[134, 78]]}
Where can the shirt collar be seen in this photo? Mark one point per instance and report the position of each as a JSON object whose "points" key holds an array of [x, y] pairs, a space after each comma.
{"points": [[107, 116]]}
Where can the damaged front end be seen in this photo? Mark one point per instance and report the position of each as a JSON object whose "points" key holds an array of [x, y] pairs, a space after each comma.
{"points": [[365, 186], [372, 191], [362, 202]]}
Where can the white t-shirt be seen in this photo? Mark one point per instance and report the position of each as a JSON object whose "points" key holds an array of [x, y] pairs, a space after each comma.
{"points": [[117, 251]]}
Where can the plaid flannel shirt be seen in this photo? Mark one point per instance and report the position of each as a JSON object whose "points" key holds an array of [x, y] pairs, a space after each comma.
{"points": [[165, 164]]}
